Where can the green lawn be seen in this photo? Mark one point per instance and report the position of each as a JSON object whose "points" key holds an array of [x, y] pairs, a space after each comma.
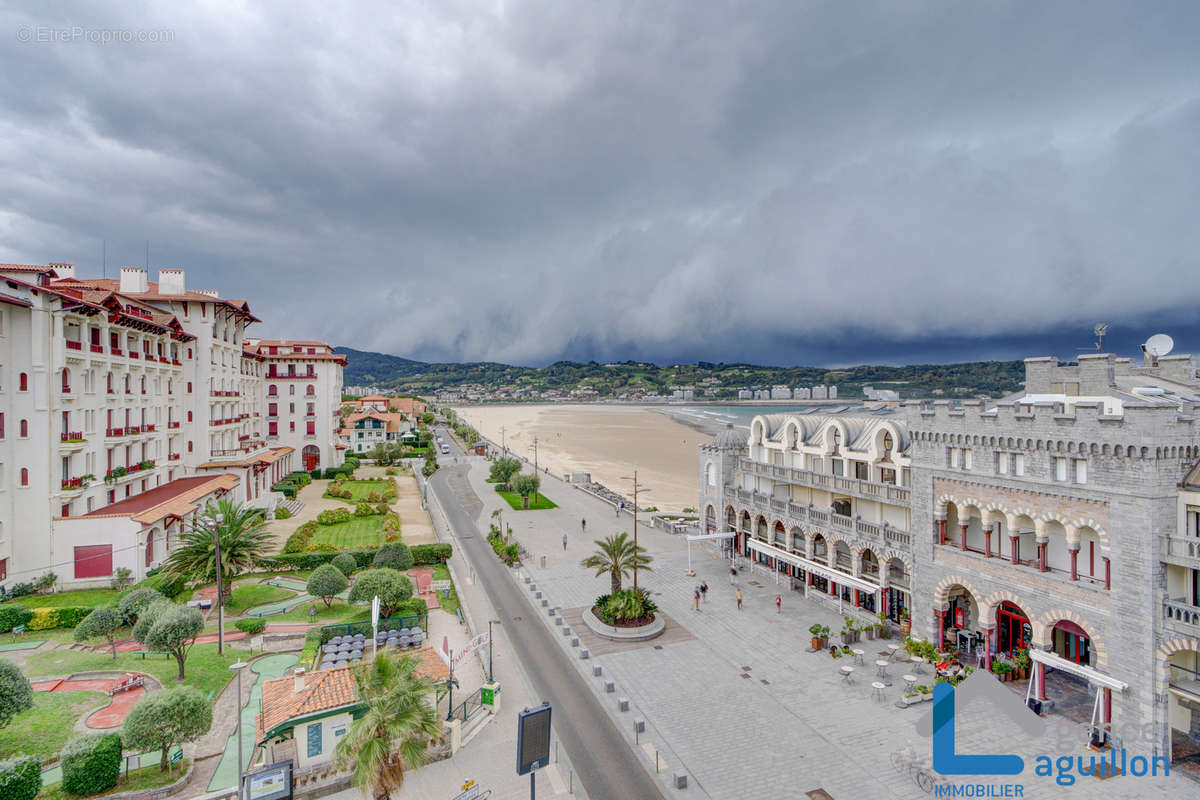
{"points": [[44, 729], [249, 595], [338, 611], [359, 533], [517, 504], [204, 669], [450, 604], [145, 778], [359, 489], [79, 597]]}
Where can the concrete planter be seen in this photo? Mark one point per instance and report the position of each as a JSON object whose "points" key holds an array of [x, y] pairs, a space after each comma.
{"points": [[613, 633], [912, 700]]}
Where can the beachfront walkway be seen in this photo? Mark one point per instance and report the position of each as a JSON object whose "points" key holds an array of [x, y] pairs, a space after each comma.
{"points": [[736, 699]]}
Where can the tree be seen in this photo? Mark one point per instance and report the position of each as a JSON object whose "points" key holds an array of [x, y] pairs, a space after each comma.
{"points": [[345, 563], [394, 555], [393, 734], [431, 464], [122, 577], [170, 627], [325, 582], [135, 603], [617, 556], [102, 623], [503, 470], [392, 588], [245, 543], [167, 718], [16, 693], [20, 778], [526, 485]]}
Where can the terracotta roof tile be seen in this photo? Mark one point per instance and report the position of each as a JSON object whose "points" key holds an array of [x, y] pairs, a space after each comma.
{"points": [[323, 691], [171, 499]]}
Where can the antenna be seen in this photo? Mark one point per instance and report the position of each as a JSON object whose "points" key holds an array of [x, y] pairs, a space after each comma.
{"points": [[1101, 329]]}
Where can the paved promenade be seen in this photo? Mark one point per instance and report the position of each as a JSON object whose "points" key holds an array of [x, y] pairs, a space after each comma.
{"points": [[740, 703]]}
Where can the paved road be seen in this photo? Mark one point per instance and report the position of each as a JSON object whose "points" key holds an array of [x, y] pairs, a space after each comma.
{"points": [[603, 761]]}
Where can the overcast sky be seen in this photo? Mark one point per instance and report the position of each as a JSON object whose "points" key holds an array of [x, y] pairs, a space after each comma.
{"points": [[779, 182]]}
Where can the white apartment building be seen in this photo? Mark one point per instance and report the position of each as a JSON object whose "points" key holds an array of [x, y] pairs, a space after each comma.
{"points": [[111, 389]]}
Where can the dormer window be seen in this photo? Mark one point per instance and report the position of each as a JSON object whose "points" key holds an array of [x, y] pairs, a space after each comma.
{"points": [[887, 443]]}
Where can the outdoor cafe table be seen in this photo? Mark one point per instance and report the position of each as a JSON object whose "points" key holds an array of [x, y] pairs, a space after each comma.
{"points": [[894, 648], [918, 661]]}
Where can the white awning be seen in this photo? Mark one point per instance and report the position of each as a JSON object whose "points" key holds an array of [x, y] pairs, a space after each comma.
{"points": [[699, 537], [834, 575], [1087, 673]]}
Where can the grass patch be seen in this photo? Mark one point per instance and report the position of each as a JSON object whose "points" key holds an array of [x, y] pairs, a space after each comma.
{"points": [[145, 778], [513, 499], [338, 611], [359, 489], [449, 604], [249, 595], [205, 670], [44, 729], [359, 533], [79, 597]]}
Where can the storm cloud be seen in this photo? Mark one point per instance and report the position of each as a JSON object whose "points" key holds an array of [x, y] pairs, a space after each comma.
{"points": [[787, 182]]}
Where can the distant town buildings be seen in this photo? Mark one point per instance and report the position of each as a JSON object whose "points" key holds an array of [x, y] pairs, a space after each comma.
{"points": [[883, 395]]}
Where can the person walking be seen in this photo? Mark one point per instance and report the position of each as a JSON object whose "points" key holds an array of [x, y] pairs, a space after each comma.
{"points": [[778, 604], [620, 507], [732, 576], [564, 541], [697, 598], [583, 525], [739, 598], [704, 590]]}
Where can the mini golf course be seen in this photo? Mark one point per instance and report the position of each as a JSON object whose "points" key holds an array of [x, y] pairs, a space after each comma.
{"points": [[283, 606], [267, 667]]}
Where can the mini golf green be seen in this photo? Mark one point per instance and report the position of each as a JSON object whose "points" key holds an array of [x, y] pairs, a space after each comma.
{"points": [[283, 606], [267, 667], [4, 648]]}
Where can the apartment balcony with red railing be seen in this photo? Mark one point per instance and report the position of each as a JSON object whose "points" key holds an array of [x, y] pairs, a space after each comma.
{"points": [[177, 362], [114, 432], [73, 483], [149, 428], [173, 425], [116, 351], [133, 430], [74, 345], [71, 436], [297, 376], [96, 348], [173, 457], [133, 354]]}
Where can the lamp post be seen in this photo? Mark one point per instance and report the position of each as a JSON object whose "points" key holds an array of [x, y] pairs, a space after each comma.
{"points": [[220, 595], [237, 668], [636, 489], [490, 623]]}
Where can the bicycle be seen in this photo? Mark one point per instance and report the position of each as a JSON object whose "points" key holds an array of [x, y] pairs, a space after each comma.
{"points": [[918, 769]]}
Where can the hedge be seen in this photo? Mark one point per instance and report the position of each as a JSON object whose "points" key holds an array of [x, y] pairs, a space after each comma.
{"points": [[298, 541], [251, 627], [20, 778], [332, 516], [91, 763], [12, 615], [423, 555], [65, 617], [167, 587], [288, 489], [312, 647]]}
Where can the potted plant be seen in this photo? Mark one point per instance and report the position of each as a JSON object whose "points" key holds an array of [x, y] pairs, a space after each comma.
{"points": [[884, 629], [868, 631], [845, 633], [1022, 662], [1002, 670], [820, 635], [905, 623]]}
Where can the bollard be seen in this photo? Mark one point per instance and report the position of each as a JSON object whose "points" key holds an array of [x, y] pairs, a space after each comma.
{"points": [[545, 602], [597, 670], [584, 653], [543, 562], [623, 704], [533, 587], [551, 611], [609, 687], [639, 726], [537, 595], [567, 631], [680, 780], [574, 641], [528, 579], [557, 620]]}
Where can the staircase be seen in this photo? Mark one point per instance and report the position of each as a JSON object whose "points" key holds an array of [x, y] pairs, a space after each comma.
{"points": [[293, 506]]}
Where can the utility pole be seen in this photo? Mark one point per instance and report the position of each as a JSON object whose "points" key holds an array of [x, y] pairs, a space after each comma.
{"points": [[535, 468], [635, 541], [220, 596], [503, 440]]}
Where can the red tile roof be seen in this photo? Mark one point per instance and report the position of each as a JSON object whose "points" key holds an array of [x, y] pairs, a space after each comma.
{"points": [[325, 690], [152, 294], [171, 499]]}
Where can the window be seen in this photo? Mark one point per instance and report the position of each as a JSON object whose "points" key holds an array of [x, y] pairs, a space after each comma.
{"points": [[189, 416], [93, 561], [1002, 463], [272, 409], [887, 476], [1080, 470], [292, 389], [314, 739], [837, 466], [24, 428], [310, 389], [23, 382], [311, 429], [862, 470], [189, 387], [292, 427], [952, 457], [1, 424], [24, 476], [66, 380], [1193, 521], [887, 443], [189, 446], [1019, 464], [1060, 469], [272, 390], [966, 459]]}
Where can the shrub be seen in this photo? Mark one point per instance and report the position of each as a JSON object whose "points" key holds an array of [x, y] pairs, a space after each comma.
{"points": [[333, 516], [365, 510], [43, 619], [12, 615], [282, 513], [412, 607], [164, 719], [394, 555], [345, 563], [314, 559], [251, 627], [315, 474], [20, 589], [298, 541], [16, 693], [287, 489], [322, 547], [165, 585], [91, 763], [326, 582], [122, 577], [312, 646], [46, 582], [136, 601], [392, 587], [425, 554], [20, 778], [102, 623]]}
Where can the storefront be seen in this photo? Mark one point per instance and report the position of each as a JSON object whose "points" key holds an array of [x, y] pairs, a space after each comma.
{"points": [[1071, 642], [1013, 629]]}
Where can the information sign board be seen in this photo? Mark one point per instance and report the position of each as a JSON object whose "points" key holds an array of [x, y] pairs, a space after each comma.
{"points": [[533, 739]]}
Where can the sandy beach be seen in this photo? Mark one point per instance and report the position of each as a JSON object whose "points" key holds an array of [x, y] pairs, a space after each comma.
{"points": [[607, 441]]}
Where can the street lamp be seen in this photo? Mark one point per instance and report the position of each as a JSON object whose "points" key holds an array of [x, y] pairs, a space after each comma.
{"points": [[237, 668], [636, 489], [490, 623]]}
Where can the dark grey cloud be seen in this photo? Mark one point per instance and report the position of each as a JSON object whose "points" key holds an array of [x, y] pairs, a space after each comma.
{"points": [[767, 181]]}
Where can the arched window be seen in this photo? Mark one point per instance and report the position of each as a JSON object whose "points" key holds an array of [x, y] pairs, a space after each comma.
{"points": [[24, 476], [24, 427], [66, 380], [310, 390], [108, 382], [143, 384], [127, 388], [23, 382]]}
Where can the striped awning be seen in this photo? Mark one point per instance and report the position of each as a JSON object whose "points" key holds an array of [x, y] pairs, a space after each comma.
{"points": [[834, 575]]}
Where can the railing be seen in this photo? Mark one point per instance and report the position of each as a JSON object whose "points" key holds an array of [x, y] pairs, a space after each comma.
{"points": [[74, 345], [172, 424], [385, 624], [1179, 611], [467, 708], [114, 432], [73, 436], [73, 483], [879, 533], [148, 428], [1182, 547], [173, 457], [133, 430], [133, 354], [96, 348], [116, 351], [872, 490]]}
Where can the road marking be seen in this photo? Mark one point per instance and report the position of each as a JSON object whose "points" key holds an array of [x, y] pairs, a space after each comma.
{"points": [[556, 781]]}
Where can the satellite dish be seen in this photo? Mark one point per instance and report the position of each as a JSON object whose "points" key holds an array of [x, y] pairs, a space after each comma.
{"points": [[1159, 345]]}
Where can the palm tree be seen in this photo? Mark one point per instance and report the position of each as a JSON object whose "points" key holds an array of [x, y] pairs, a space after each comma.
{"points": [[244, 538], [617, 556], [394, 732]]}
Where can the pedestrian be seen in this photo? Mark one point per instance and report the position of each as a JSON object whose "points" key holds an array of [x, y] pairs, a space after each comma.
{"points": [[620, 508], [564, 541], [778, 604], [739, 598], [583, 525], [704, 590], [697, 598], [732, 576]]}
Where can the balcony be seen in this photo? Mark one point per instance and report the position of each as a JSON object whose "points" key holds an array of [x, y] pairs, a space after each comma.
{"points": [[114, 432], [71, 437], [308, 377], [133, 430], [76, 484], [116, 351], [173, 457], [1183, 551], [133, 354], [74, 345], [793, 513], [148, 428], [173, 425], [1181, 617], [96, 348], [866, 490]]}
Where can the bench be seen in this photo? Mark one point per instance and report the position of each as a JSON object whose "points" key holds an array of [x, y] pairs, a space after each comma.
{"points": [[144, 653]]}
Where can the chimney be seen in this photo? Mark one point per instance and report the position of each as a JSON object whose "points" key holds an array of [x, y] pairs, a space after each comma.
{"points": [[1038, 374], [210, 292], [170, 282], [133, 280], [64, 271], [1179, 368], [1095, 373], [298, 680]]}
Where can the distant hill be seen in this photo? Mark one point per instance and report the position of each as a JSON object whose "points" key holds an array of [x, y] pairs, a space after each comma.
{"points": [[991, 378]]}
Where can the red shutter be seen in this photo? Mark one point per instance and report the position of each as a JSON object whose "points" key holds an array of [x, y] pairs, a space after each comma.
{"points": [[93, 561]]}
